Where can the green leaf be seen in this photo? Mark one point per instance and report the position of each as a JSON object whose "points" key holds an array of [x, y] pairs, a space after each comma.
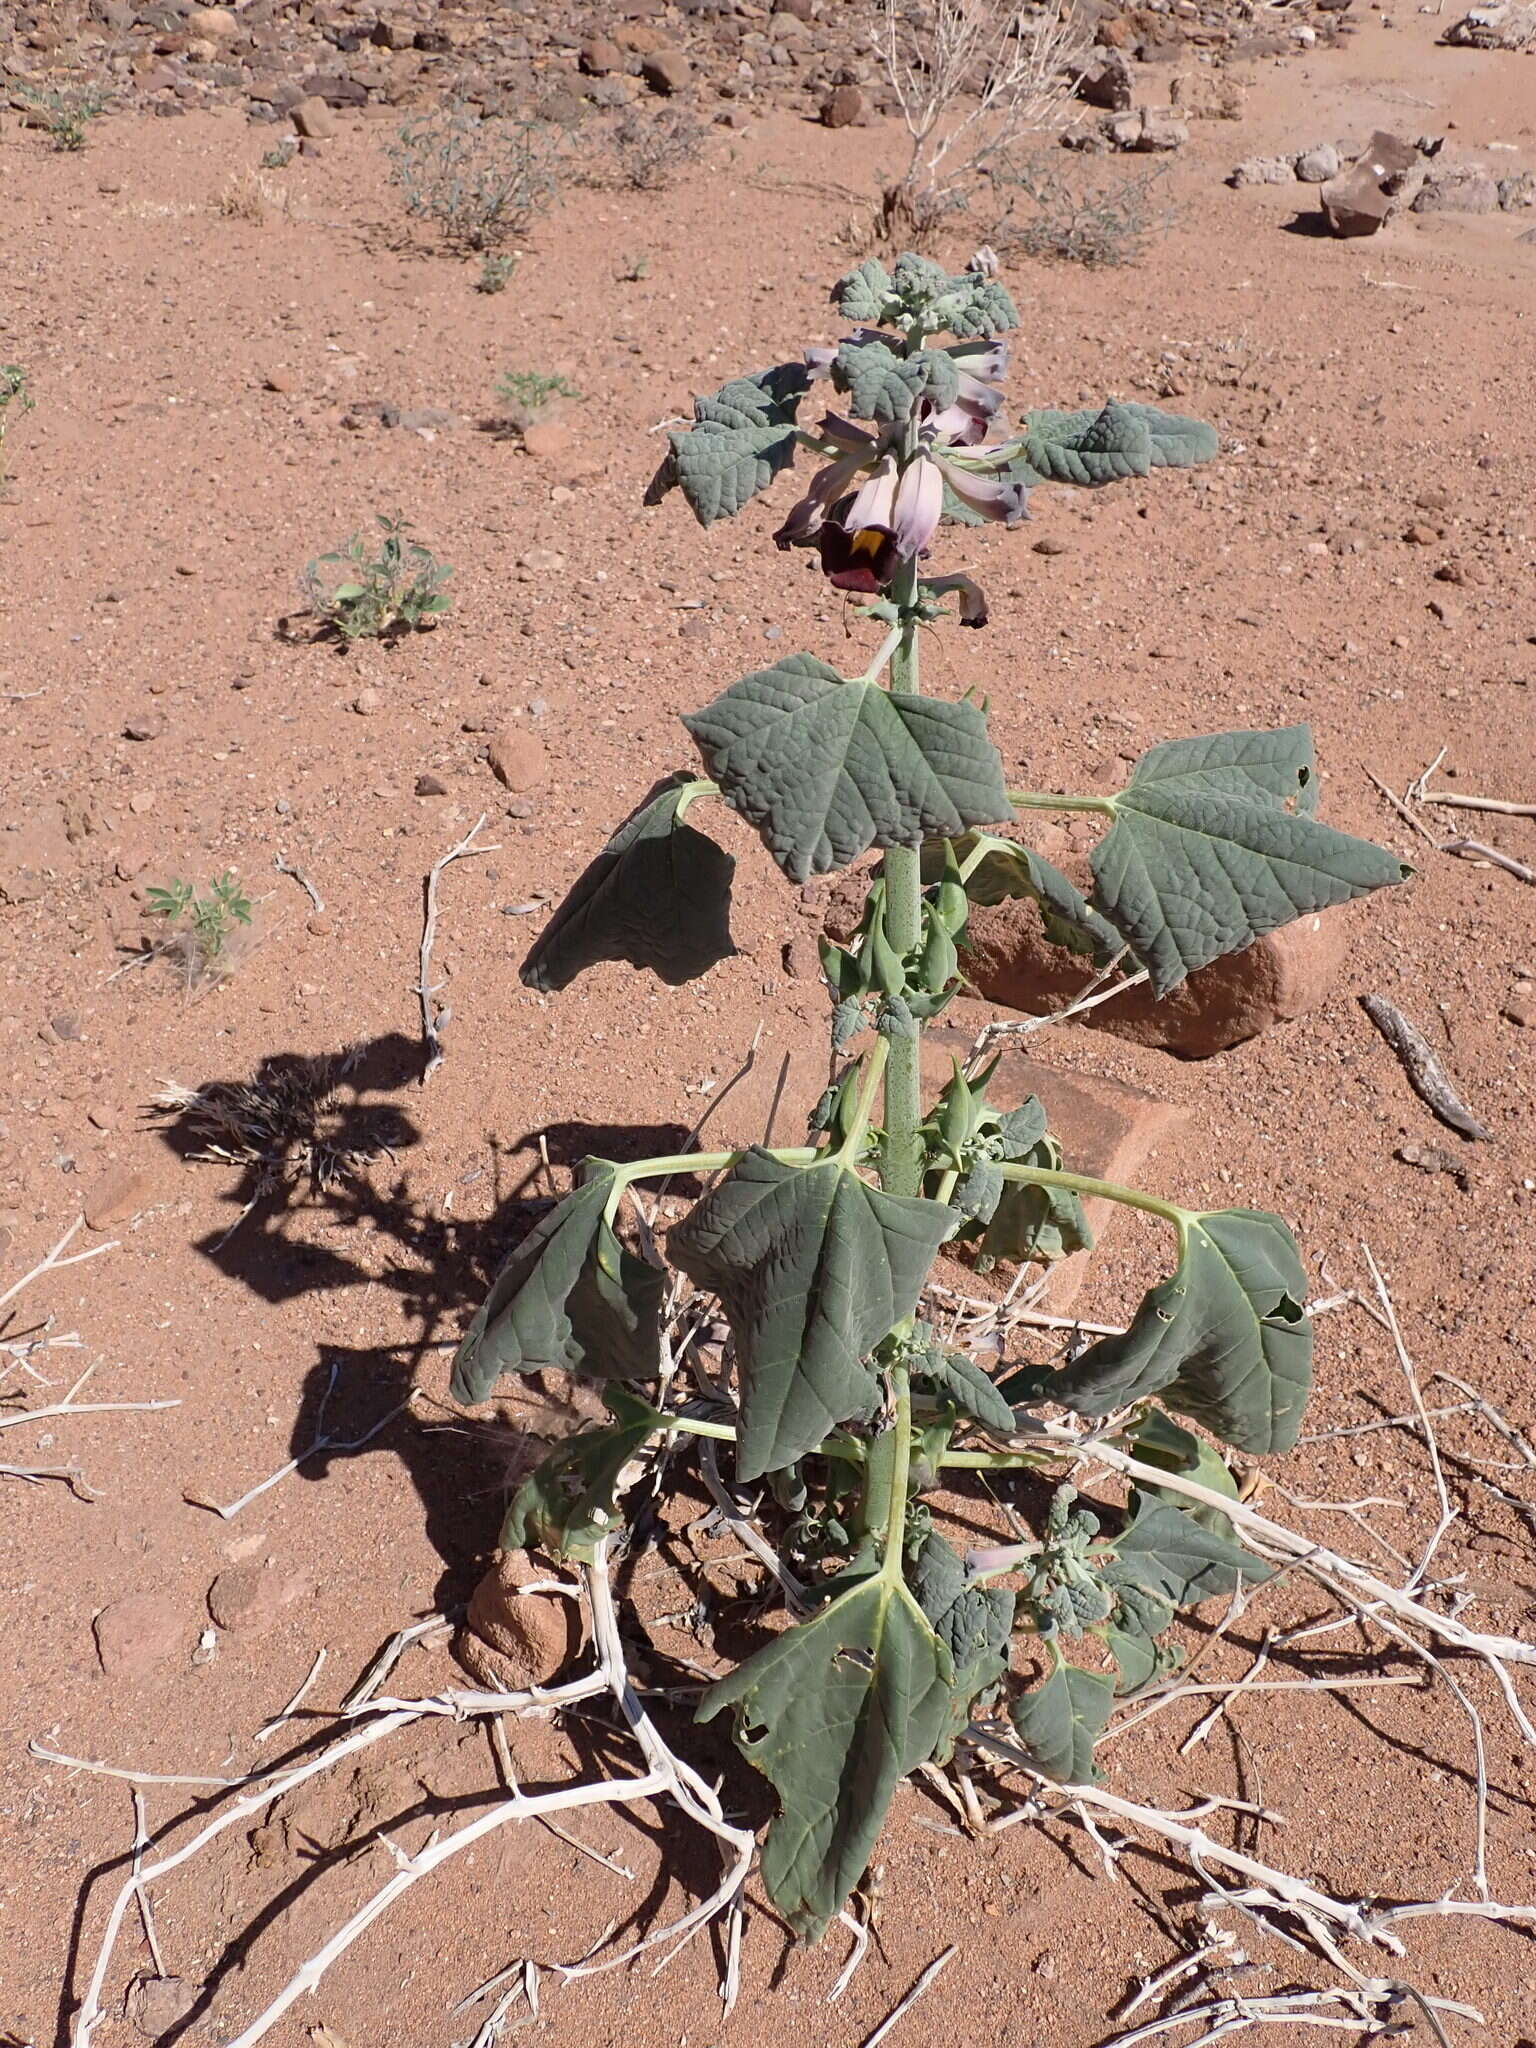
{"points": [[1037, 1223], [835, 1713], [826, 768], [1102, 444], [979, 1192], [658, 896], [974, 1624], [863, 294], [960, 1380], [567, 1504], [1224, 1341], [1203, 856], [1139, 1657], [1008, 869], [570, 1296], [814, 1268], [882, 385], [1059, 1722], [1165, 1560], [743, 436], [1158, 1440], [766, 398]]}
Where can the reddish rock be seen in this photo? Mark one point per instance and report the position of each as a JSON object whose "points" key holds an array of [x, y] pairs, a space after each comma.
{"points": [[512, 1640], [139, 1635], [517, 759], [666, 71], [120, 1193], [599, 56], [215, 24], [314, 119], [1278, 978], [254, 1597], [843, 107], [1384, 177], [157, 2004]]}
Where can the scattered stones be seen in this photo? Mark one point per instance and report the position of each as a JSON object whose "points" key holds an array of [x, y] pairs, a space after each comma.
{"points": [[510, 1639], [313, 119], [517, 759], [119, 1194], [139, 1635], [844, 107], [1508, 27], [1457, 189], [1384, 177], [1147, 131], [252, 1598], [666, 71], [1262, 170]]}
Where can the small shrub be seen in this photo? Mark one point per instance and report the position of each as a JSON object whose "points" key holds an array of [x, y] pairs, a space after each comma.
{"points": [[650, 149], [281, 154], [1100, 224], [252, 195], [634, 268], [65, 112], [202, 922], [15, 399], [528, 396], [482, 182], [398, 588], [495, 273]]}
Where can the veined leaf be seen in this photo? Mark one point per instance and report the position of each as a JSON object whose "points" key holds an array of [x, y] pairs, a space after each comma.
{"points": [[881, 385], [1165, 1560], [567, 1505], [1010, 869], [1158, 1440], [743, 436], [975, 1625], [835, 1713], [814, 1267], [826, 768], [658, 896], [1203, 857], [1223, 1341], [1037, 1223], [1060, 1720], [571, 1296], [961, 1381], [1102, 444]]}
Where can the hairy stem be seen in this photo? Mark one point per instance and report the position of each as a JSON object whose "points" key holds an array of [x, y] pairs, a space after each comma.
{"points": [[895, 1505], [1108, 1190], [901, 1166]]}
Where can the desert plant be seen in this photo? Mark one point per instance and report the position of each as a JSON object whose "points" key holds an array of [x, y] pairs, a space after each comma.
{"points": [[482, 182], [202, 921], [650, 148], [65, 112], [15, 399], [528, 396], [972, 79], [393, 586], [811, 1356], [281, 154], [495, 273], [1048, 212], [634, 269]]}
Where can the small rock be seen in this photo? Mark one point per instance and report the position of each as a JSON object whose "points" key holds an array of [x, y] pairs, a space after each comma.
{"points": [[320, 926], [1420, 536], [66, 1027], [120, 1193], [1317, 166], [1262, 170], [157, 2004], [547, 440], [146, 727], [431, 785], [1458, 191], [215, 24], [1521, 1011], [1147, 131], [367, 701], [313, 119], [666, 71], [103, 1119], [138, 1635], [517, 759], [1108, 84], [843, 107], [1052, 544], [600, 55], [512, 1640], [542, 562], [253, 1597], [141, 802]]}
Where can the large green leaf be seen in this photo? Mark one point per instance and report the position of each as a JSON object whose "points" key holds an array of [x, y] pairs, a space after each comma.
{"points": [[1204, 857], [1007, 868], [658, 896], [1037, 1223], [1102, 444], [1060, 1720], [835, 1713], [742, 437], [1224, 1340], [975, 1625], [881, 385], [1158, 1440], [568, 1504], [827, 768], [1164, 1560], [814, 1268], [571, 1296]]}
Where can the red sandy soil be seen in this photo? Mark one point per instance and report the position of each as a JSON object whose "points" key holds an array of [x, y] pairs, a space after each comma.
{"points": [[165, 498]]}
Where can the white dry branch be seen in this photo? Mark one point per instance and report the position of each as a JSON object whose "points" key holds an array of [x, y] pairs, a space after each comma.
{"points": [[433, 1015], [666, 1776]]}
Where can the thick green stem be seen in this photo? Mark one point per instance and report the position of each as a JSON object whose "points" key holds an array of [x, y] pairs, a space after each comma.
{"points": [[1109, 1190], [901, 1165], [894, 1507], [1041, 800]]}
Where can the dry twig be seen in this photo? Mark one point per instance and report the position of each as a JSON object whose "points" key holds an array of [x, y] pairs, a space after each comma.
{"points": [[433, 1016]]}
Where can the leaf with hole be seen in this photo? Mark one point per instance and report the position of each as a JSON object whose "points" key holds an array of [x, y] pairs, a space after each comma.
{"points": [[826, 768], [835, 1712], [814, 1267], [571, 1295], [657, 896], [1204, 856], [1224, 1341]]}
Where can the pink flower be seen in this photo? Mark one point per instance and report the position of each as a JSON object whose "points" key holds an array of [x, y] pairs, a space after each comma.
{"points": [[890, 519]]}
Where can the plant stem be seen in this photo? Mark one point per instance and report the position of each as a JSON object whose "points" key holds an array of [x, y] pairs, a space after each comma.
{"points": [[895, 1506], [1042, 800], [901, 1166], [869, 1080], [1108, 1190], [710, 1162]]}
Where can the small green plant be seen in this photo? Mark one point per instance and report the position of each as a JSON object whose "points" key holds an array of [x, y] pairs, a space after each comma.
{"points": [[811, 1355], [634, 268], [482, 182], [495, 273], [1051, 213], [528, 396], [202, 920], [15, 399], [281, 154], [65, 112], [652, 147], [393, 586]]}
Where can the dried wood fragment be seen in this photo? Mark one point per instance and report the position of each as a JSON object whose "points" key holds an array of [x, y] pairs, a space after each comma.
{"points": [[1424, 1071]]}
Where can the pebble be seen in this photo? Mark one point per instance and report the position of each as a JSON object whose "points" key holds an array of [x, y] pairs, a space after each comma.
{"points": [[843, 107], [313, 119], [120, 1193], [1420, 536], [517, 760], [1520, 1010], [541, 562], [320, 927], [253, 1597], [67, 1027], [142, 801], [431, 785], [366, 702], [148, 727], [158, 2004], [1049, 544], [546, 440], [138, 1635], [666, 71]]}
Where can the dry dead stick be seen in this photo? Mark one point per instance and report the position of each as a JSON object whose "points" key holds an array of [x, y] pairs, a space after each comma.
{"points": [[1425, 1074], [433, 1018]]}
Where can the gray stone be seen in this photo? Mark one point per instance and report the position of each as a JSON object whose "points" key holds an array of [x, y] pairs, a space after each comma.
{"points": [[1316, 166]]}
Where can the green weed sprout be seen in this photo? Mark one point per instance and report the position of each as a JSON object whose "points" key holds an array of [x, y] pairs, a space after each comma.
{"points": [[840, 1401], [527, 396], [66, 112], [205, 920], [395, 587], [15, 399]]}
